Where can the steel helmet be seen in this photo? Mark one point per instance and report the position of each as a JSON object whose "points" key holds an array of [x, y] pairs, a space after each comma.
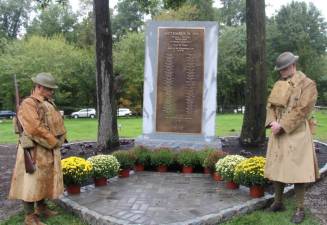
{"points": [[46, 80], [284, 60]]}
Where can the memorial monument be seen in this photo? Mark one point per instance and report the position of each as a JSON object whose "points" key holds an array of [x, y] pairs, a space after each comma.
{"points": [[179, 106]]}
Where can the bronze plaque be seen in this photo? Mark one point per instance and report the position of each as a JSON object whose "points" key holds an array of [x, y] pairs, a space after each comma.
{"points": [[180, 80]]}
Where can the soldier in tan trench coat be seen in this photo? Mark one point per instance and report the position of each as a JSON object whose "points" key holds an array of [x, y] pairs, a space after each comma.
{"points": [[290, 156], [43, 124]]}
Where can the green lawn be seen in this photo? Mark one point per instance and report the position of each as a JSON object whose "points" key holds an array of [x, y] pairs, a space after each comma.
{"points": [[86, 129]]}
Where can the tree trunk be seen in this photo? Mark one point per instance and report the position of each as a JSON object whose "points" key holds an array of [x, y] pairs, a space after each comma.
{"points": [[253, 129], [106, 101]]}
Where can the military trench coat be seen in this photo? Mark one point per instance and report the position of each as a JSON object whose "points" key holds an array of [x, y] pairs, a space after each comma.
{"points": [[290, 156], [42, 123]]}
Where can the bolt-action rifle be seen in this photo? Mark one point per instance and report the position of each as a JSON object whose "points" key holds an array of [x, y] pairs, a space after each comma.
{"points": [[29, 163]]}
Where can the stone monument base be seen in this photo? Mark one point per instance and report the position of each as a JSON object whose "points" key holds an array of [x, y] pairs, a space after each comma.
{"points": [[178, 142]]}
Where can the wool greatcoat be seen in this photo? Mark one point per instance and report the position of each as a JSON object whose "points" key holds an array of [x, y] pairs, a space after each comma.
{"points": [[290, 156], [43, 123]]}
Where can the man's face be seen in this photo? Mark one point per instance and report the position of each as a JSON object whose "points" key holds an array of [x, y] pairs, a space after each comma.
{"points": [[288, 71], [46, 92]]}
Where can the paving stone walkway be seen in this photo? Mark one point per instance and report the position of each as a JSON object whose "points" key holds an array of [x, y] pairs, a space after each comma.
{"points": [[160, 198]]}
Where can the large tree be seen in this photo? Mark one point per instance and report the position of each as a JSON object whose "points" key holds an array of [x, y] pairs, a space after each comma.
{"points": [[253, 129], [106, 99], [13, 16]]}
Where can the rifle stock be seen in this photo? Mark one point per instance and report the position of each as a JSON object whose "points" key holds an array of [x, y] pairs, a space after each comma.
{"points": [[29, 163]]}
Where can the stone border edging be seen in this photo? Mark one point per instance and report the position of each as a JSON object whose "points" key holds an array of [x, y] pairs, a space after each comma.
{"points": [[95, 218]]}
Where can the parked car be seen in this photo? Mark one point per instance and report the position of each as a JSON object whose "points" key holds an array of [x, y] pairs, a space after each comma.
{"points": [[124, 112], [7, 114], [84, 113]]}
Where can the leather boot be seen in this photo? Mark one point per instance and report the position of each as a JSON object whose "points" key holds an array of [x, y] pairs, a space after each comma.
{"points": [[298, 216], [43, 210], [276, 207], [32, 219]]}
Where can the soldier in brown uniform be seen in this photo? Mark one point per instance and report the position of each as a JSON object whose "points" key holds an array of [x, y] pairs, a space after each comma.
{"points": [[43, 124], [290, 156]]}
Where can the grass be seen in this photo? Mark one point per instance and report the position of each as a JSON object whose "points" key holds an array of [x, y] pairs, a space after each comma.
{"points": [[64, 218], [86, 129], [260, 217]]}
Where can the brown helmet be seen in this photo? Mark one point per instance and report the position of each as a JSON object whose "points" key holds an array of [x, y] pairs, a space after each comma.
{"points": [[46, 80], [284, 60]]}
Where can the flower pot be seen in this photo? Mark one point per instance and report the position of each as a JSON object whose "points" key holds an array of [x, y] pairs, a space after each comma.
{"points": [[101, 181], [232, 185], [73, 189], [124, 173], [256, 191], [162, 168], [187, 169], [206, 170], [139, 167], [216, 176]]}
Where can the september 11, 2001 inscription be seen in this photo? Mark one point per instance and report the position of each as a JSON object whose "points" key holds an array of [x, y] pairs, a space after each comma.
{"points": [[180, 80]]}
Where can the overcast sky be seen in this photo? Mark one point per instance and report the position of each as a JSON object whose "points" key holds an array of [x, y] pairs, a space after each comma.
{"points": [[271, 5]]}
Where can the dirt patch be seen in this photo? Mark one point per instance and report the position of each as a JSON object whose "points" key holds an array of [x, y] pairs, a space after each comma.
{"points": [[316, 197]]}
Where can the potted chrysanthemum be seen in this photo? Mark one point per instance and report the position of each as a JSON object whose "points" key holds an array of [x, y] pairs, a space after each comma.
{"points": [[75, 170], [104, 167], [162, 158], [202, 155], [187, 158], [250, 173], [211, 161], [226, 166], [142, 155], [126, 160]]}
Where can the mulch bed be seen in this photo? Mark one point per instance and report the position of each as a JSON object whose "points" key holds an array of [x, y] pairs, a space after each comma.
{"points": [[87, 149]]}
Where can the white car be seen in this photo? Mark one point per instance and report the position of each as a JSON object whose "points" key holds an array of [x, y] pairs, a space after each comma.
{"points": [[86, 113], [124, 112]]}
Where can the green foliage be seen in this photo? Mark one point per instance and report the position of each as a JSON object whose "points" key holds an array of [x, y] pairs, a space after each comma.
{"points": [[73, 69], [212, 158], [188, 157], [128, 56], [203, 154], [125, 158], [13, 16], [54, 20], [143, 155], [232, 12], [232, 67], [104, 166], [162, 157], [129, 18]]}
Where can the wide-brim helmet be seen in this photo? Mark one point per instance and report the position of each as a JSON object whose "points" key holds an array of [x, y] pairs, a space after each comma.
{"points": [[46, 80], [284, 60]]}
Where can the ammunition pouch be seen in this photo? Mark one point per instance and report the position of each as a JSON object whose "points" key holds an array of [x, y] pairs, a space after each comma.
{"points": [[26, 142]]}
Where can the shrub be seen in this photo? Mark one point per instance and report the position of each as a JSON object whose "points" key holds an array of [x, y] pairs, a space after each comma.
{"points": [[104, 166], [212, 159], [250, 171], [226, 166], [125, 158], [162, 157], [187, 157], [75, 170], [142, 155]]}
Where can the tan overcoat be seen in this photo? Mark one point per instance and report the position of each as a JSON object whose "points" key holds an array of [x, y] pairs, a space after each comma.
{"points": [[290, 156], [43, 123]]}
